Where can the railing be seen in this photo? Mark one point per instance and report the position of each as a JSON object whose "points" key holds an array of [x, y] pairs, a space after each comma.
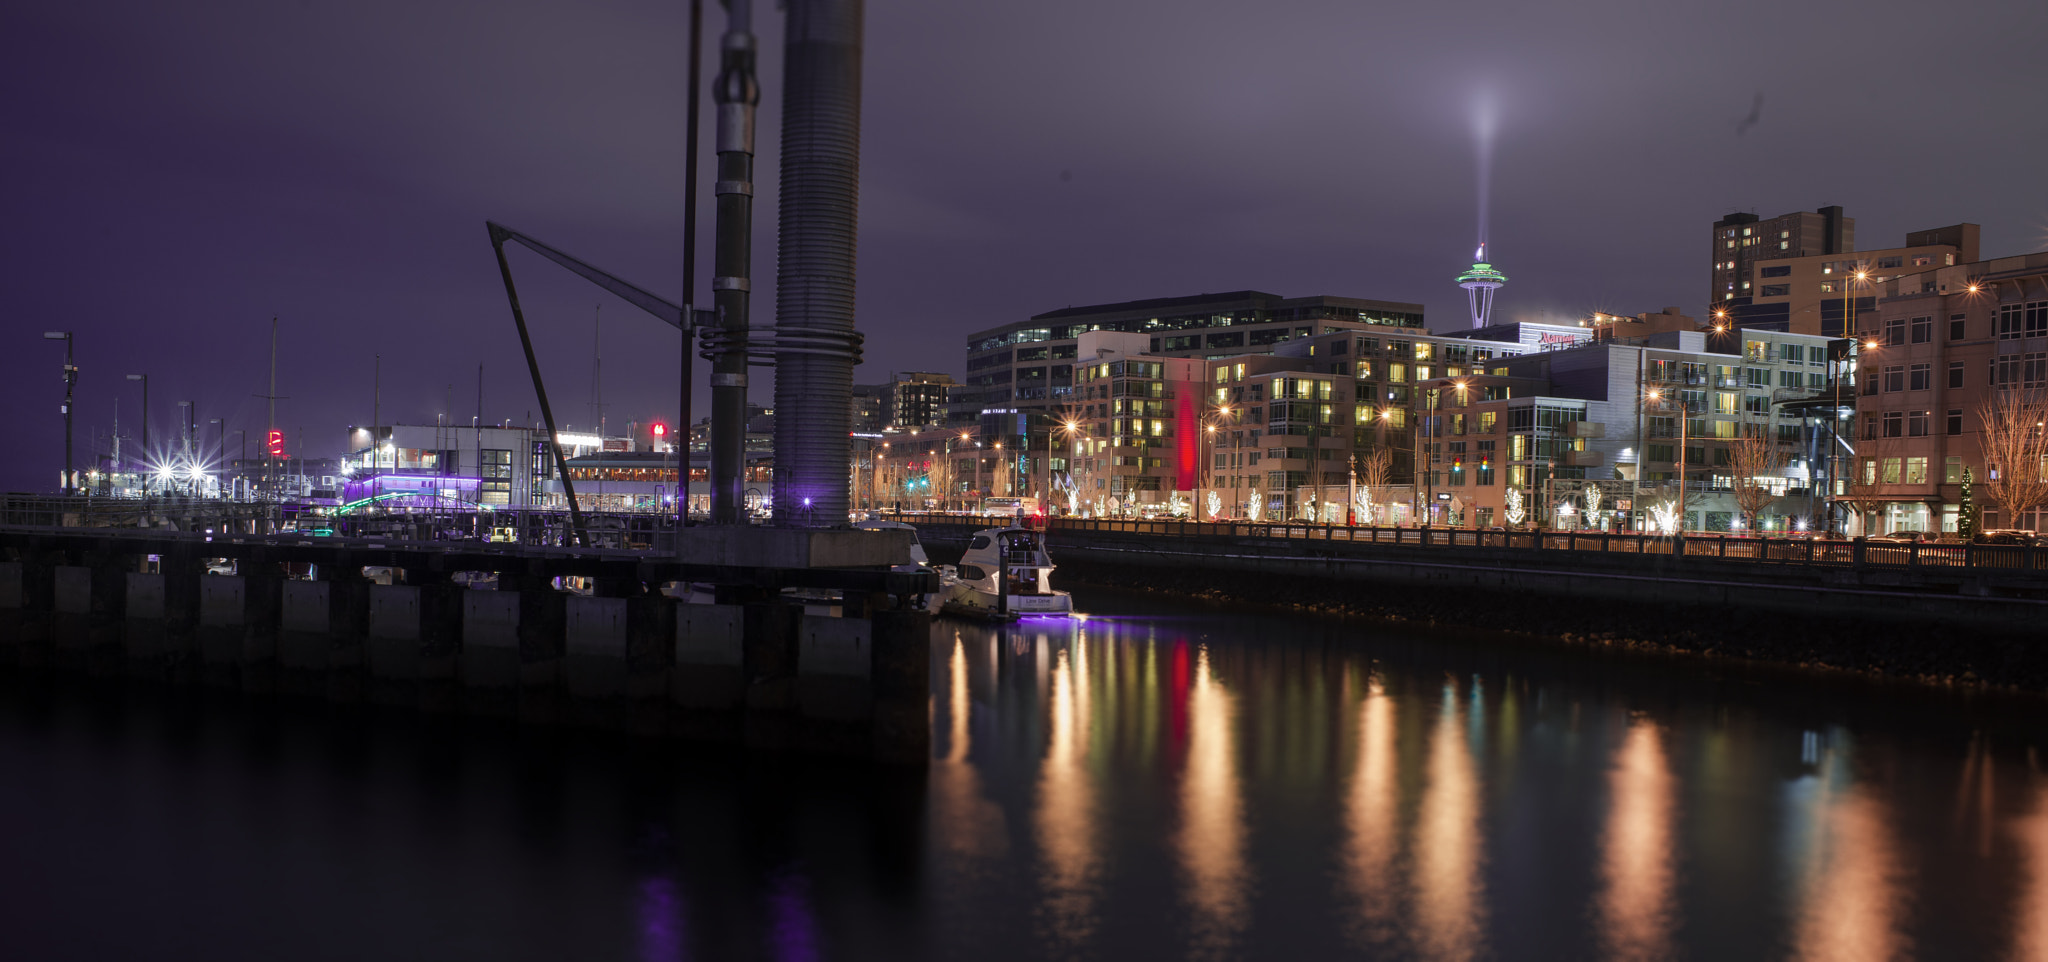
{"points": [[1858, 553]]}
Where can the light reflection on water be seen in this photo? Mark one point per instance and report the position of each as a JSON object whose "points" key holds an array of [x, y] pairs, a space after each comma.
{"points": [[1144, 785], [1298, 794]]}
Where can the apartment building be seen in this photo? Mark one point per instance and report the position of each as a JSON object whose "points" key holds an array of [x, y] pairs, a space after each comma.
{"points": [[1937, 346], [1741, 240], [1024, 372], [1817, 294]]}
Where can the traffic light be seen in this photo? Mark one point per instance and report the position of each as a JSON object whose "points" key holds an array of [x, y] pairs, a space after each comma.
{"points": [[275, 444]]}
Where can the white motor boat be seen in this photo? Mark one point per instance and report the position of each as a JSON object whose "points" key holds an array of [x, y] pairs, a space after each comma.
{"points": [[973, 589]]}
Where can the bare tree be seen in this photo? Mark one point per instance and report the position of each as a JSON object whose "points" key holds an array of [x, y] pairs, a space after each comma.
{"points": [[1375, 472], [2013, 426], [1755, 457]]}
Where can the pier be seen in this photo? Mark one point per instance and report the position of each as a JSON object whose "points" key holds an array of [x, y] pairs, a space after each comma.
{"points": [[713, 647]]}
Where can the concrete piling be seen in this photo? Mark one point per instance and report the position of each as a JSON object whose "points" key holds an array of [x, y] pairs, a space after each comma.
{"points": [[758, 671]]}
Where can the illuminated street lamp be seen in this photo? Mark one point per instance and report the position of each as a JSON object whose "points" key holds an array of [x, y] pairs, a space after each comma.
{"points": [[144, 378], [70, 380]]}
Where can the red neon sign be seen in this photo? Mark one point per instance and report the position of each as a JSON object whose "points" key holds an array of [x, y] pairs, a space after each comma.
{"points": [[276, 444]]}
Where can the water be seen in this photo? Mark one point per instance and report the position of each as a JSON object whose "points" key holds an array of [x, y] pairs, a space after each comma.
{"points": [[1157, 783]]}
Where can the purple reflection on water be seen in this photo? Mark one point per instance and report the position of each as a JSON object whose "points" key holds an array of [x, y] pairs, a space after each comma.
{"points": [[661, 920], [794, 937]]}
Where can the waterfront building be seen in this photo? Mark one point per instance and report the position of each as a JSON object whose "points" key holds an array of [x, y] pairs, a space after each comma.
{"points": [[1020, 375], [495, 465], [1610, 411], [1936, 346]]}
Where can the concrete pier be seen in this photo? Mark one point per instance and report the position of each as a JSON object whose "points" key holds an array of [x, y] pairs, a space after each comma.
{"points": [[756, 670]]}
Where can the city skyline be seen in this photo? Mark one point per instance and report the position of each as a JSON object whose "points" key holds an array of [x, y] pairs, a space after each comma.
{"points": [[185, 179]]}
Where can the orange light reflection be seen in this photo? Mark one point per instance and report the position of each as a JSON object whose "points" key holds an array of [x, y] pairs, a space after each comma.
{"points": [[1212, 834], [1635, 902], [1447, 845]]}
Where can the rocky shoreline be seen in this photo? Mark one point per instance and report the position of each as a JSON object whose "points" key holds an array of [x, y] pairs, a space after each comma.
{"points": [[1931, 654]]}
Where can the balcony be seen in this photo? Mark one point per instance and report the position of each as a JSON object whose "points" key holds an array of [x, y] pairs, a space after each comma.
{"points": [[1582, 459]]}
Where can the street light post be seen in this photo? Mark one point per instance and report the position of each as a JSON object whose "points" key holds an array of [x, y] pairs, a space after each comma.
{"points": [[70, 380], [144, 378]]}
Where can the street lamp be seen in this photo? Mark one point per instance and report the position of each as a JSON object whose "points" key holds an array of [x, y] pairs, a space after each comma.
{"points": [[220, 436], [70, 379], [1069, 428], [144, 378]]}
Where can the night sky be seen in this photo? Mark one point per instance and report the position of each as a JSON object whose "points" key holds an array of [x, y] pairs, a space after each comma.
{"points": [[175, 175]]}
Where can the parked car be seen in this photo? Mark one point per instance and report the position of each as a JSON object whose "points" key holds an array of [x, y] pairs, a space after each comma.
{"points": [[2019, 536], [1905, 537]]}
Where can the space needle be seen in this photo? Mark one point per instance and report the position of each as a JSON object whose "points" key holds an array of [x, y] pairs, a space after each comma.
{"points": [[1479, 283]]}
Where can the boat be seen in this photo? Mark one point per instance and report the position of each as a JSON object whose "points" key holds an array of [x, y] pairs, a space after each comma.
{"points": [[973, 590], [915, 561]]}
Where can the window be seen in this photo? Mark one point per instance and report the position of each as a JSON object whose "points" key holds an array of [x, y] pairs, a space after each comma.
{"points": [[1955, 421], [1777, 290], [2034, 369], [1887, 263], [1827, 287], [1916, 470], [1791, 352], [1869, 471], [2029, 320], [1894, 332], [1895, 378], [1870, 427], [1757, 404], [1923, 330], [2005, 370], [1788, 379], [1952, 470], [1759, 377], [1780, 270], [1955, 327], [1660, 452], [1916, 424], [1894, 424], [1955, 374], [1725, 401], [1891, 470], [1920, 377], [1870, 380]]}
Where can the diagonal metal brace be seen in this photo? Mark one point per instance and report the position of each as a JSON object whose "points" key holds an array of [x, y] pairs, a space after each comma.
{"points": [[669, 313]]}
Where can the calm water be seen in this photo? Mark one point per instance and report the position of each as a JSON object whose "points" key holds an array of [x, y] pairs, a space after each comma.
{"points": [[1153, 784]]}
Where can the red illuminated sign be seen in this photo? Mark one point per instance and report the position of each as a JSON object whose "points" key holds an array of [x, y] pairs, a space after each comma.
{"points": [[276, 444]]}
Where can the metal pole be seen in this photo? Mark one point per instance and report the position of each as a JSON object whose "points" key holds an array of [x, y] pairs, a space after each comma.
{"points": [[680, 438], [736, 93]]}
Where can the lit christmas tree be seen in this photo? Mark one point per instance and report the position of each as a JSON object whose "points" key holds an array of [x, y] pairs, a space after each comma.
{"points": [[1966, 515]]}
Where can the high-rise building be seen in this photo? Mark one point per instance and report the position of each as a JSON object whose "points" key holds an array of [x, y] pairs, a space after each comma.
{"points": [[1740, 240], [917, 399]]}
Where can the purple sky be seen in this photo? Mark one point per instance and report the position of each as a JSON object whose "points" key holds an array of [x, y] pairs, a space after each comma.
{"points": [[177, 174]]}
